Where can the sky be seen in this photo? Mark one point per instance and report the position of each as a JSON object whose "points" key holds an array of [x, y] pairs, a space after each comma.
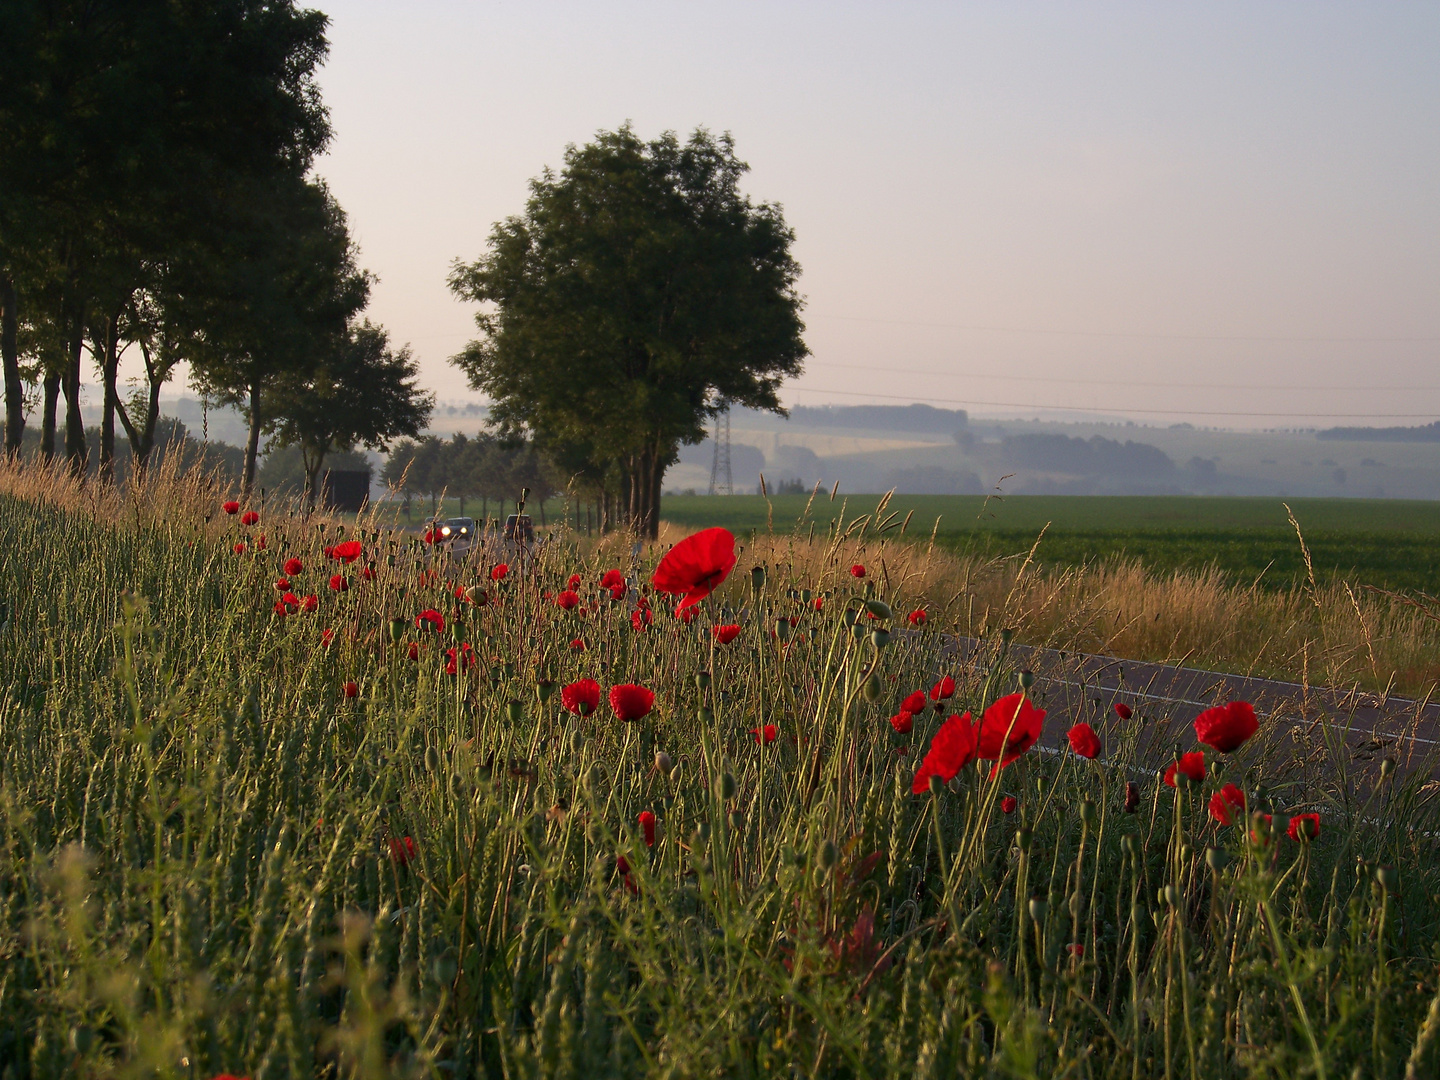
{"points": [[1223, 214]]}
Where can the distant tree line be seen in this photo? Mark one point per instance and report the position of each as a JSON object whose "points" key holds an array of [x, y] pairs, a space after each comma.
{"points": [[482, 467], [158, 202]]}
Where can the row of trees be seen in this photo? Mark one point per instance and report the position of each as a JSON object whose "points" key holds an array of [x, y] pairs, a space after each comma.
{"points": [[483, 467], [156, 195]]}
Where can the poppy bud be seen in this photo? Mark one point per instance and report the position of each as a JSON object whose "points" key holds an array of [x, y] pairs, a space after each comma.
{"points": [[725, 787], [1217, 859], [515, 711], [873, 688], [878, 608], [675, 775], [1387, 766], [1023, 838], [1077, 906], [702, 679], [1087, 813], [1130, 845], [702, 832], [782, 629], [1170, 895], [397, 628], [879, 637], [827, 855], [704, 715], [663, 763], [1039, 908], [737, 819], [444, 968], [1132, 796], [757, 579], [1388, 877], [1006, 634], [858, 631], [936, 784], [432, 759], [545, 689], [1027, 679]]}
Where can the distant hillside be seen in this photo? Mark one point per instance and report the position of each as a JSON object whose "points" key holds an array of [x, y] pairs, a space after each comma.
{"points": [[885, 417], [1430, 433]]}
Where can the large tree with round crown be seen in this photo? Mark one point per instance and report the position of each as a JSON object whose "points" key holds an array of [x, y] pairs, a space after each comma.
{"points": [[640, 293]]}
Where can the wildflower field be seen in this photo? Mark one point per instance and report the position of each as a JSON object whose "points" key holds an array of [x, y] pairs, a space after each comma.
{"points": [[292, 798]]}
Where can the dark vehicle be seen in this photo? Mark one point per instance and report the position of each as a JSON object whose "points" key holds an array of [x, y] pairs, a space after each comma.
{"points": [[457, 535]]}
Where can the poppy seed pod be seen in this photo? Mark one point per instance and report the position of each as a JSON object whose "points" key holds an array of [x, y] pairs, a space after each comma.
{"points": [[1087, 813], [675, 775], [1217, 859], [663, 762], [704, 715], [1027, 678], [757, 579], [879, 637], [1130, 845], [515, 710], [1387, 767], [1039, 908], [858, 631], [432, 759], [702, 679], [782, 629], [1170, 895], [1388, 877], [827, 855], [398, 629], [545, 689], [725, 787], [1006, 634], [878, 608], [873, 688], [737, 819], [936, 784], [1023, 838]]}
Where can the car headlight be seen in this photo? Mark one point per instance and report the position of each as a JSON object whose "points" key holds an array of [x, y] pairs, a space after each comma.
{"points": [[445, 531]]}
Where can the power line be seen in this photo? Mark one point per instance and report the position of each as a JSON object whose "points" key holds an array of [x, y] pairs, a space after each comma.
{"points": [[1140, 334], [1114, 382], [1120, 409]]}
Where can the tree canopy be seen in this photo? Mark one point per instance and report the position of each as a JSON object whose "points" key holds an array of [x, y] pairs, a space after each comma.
{"points": [[640, 293]]}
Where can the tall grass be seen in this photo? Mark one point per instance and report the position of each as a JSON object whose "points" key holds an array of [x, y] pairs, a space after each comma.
{"points": [[205, 845]]}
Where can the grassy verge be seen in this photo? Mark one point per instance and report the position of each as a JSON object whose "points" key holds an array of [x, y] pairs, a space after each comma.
{"points": [[215, 859]]}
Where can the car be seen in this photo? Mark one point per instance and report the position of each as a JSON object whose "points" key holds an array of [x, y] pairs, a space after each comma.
{"points": [[457, 535]]}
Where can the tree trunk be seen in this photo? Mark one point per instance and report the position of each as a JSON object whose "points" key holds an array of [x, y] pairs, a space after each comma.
{"points": [[110, 352], [252, 442], [75, 449], [9, 350], [47, 417]]}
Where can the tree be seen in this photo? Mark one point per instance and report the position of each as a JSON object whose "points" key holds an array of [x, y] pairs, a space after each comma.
{"points": [[640, 293], [362, 394], [259, 307]]}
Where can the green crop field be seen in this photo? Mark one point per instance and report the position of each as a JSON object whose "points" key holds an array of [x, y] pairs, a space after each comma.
{"points": [[1389, 543], [376, 821]]}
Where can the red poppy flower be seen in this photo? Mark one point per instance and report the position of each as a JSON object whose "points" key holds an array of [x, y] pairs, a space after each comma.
{"points": [[1122, 710], [458, 660], [1191, 764], [578, 645], [282, 584], [293, 566], [402, 850], [330, 552], [352, 689], [612, 579], [1008, 804], [952, 748], [368, 573], [696, 565], [499, 571], [1224, 802], [1084, 741], [412, 650], [232, 507], [581, 698], [1304, 827], [631, 702], [818, 603], [942, 689], [348, 552], [309, 603], [339, 583], [767, 736], [280, 608], [1011, 726], [903, 721], [250, 517], [622, 865], [289, 600], [429, 537], [260, 544], [1076, 950], [1226, 727], [641, 618], [725, 634], [229, 1076], [917, 617], [685, 615], [647, 826], [574, 582], [567, 600], [239, 547], [326, 637], [430, 619], [857, 571], [1132, 796], [915, 703]]}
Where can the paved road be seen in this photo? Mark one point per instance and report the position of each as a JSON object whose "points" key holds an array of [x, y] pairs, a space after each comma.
{"points": [[1315, 726]]}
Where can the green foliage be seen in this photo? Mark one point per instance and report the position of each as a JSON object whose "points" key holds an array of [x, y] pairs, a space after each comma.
{"points": [[639, 294]]}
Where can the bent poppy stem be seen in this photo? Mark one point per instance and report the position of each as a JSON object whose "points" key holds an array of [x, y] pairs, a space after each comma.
{"points": [[947, 894], [1294, 987]]}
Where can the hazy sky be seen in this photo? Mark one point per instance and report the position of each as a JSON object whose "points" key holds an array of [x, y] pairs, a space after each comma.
{"points": [[1167, 211]]}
